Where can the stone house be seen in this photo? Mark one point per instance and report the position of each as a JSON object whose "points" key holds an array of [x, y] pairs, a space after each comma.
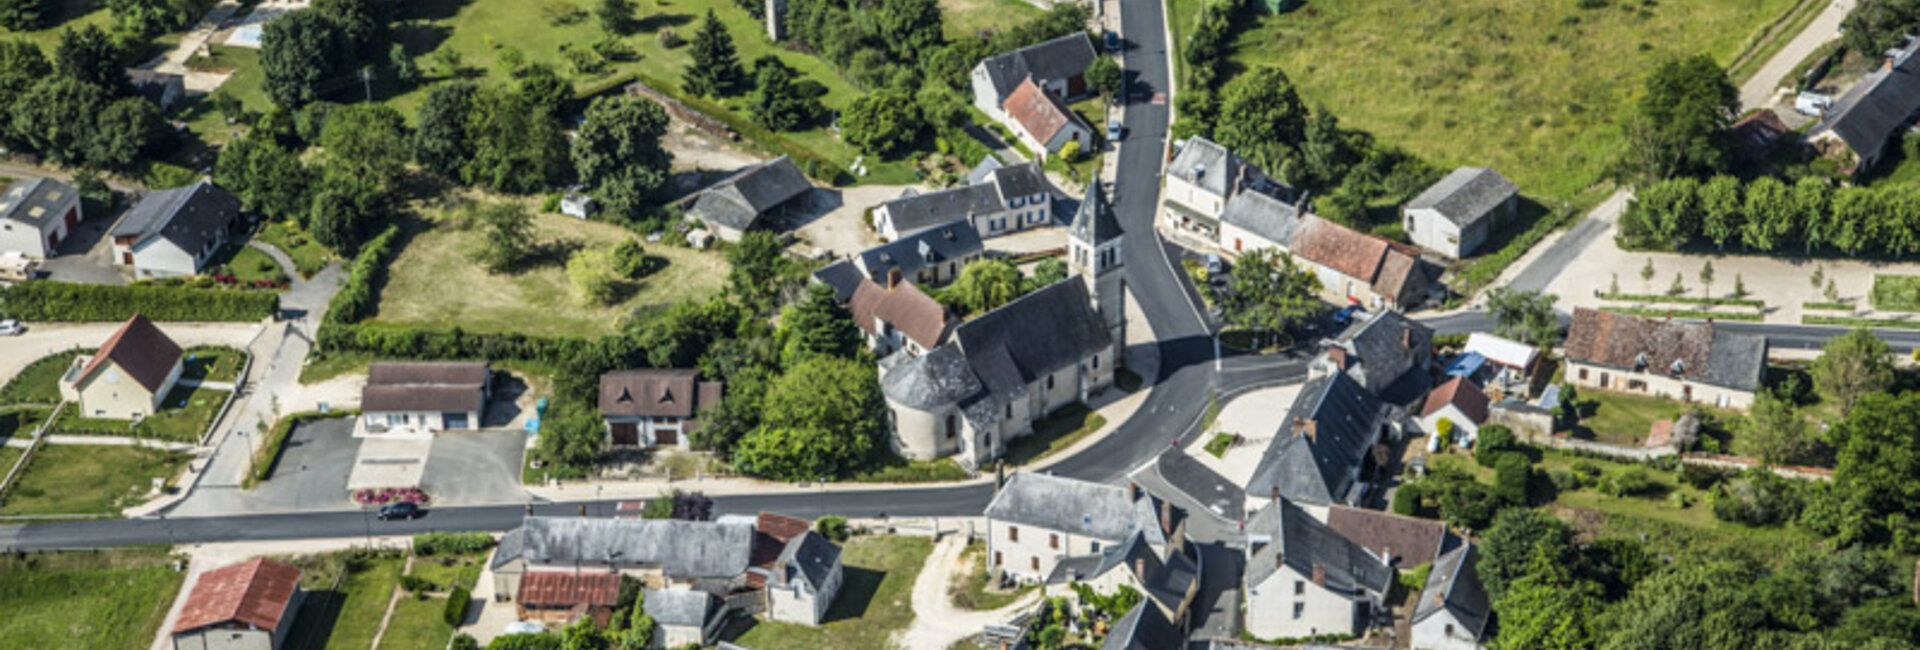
{"points": [[654, 407], [562, 597], [1387, 353], [1253, 221], [1687, 361], [749, 199], [1144, 628], [1859, 126], [1056, 66], [804, 580], [1358, 268], [1459, 401], [175, 232], [1454, 216], [1403, 542], [36, 215], [1005, 200], [1168, 581], [423, 397], [245, 606], [1201, 179], [1035, 521], [1331, 432], [129, 376], [1303, 579], [1453, 608], [683, 618], [899, 317]]}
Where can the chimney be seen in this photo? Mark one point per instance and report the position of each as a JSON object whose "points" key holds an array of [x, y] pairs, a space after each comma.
{"points": [[1320, 574], [1276, 493], [1133, 491], [1338, 355], [893, 278], [1313, 430], [1166, 517], [1406, 338], [1140, 569], [999, 476], [1440, 599]]}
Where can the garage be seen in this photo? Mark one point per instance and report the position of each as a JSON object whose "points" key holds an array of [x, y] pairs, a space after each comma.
{"points": [[455, 420], [625, 434]]}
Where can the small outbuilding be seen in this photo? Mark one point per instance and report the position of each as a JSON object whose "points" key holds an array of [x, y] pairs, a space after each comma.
{"points": [[246, 606], [1455, 216], [423, 397]]}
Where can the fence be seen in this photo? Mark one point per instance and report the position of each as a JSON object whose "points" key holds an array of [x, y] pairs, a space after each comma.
{"points": [[1721, 461], [20, 465]]}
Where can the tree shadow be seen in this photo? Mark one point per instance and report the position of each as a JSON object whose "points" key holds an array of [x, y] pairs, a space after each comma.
{"points": [[856, 593], [655, 22], [430, 9], [313, 625]]}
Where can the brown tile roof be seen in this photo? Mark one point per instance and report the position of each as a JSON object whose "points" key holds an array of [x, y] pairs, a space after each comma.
{"points": [[1411, 540], [568, 589], [771, 532], [1334, 246], [255, 592], [427, 372], [920, 317], [656, 393], [1630, 342], [141, 350], [1462, 394], [1399, 272], [446, 386], [1039, 112]]}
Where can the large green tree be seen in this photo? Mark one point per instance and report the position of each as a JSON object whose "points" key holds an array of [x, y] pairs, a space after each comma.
{"points": [[912, 27], [54, 117], [618, 154], [1701, 603], [758, 268], [1852, 366], [301, 53], [822, 419], [517, 147], [124, 131], [1679, 126], [1105, 75], [1271, 292], [778, 103], [345, 212], [92, 55], [506, 235], [1774, 431], [1511, 544], [985, 285], [1722, 210], [363, 23], [440, 141], [153, 17], [616, 16], [1539, 613], [1877, 498], [817, 326], [366, 142], [883, 123], [1770, 220], [1261, 117], [546, 89], [21, 15], [1525, 315], [1877, 25], [715, 70], [267, 178]]}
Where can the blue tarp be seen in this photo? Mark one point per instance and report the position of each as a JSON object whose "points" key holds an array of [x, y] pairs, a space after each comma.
{"points": [[1466, 364]]}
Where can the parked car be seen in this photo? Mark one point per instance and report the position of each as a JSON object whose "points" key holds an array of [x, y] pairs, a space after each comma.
{"points": [[1113, 130], [1215, 266], [12, 328], [401, 510], [1113, 41], [1347, 314]]}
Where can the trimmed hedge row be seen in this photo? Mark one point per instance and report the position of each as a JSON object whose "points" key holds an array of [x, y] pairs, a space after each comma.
{"points": [[456, 612], [360, 293], [1683, 299], [1870, 323], [1691, 314], [61, 301], [428, 544]]}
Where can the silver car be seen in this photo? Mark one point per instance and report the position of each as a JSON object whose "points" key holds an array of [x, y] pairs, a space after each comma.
{"points": [[12, 328]]}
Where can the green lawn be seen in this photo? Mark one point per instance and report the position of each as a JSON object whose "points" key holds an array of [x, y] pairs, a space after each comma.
{"points": [[110, 600], [1623, 419], [1054, 433], [433, 282], [965, 18], [59, 15], [247, 264], [1534, 89], [8, 456], [212, 363], [308, 255], [1219, 443], [244, 84], [417, 624], [187, 414], [464, 570], [320, 368], [88, 479], [39, 383], [913, 471], [872, 605], [348, 617], [21, 421], [1896, 292]]}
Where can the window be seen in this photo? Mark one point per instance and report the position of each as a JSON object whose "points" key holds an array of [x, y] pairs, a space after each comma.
{"points": [[1636, 384], [1096, 362], [1053, 540], [1036, 563], [1094, 545], [1013, 533], [1409, 224], [1049, 382], [1583, 374], [1299, 587], [1299, 609], [953, 425], [1449, 629], [996, 558], [1019, 201]]}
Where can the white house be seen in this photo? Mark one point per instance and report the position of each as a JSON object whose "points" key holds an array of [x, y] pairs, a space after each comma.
{"points": [[654, 407], [1687, 361], [175, 232], [1459, 401], [1252, 221], [1044, 122], [1199, 181], [1037, 520], [1005, 200], [423, 397], [1058, 66], [1303, 579], [246, 606], [36, 215], [805, 579], [1169, 581], [1455, 215], [129, 376], [1453, 608]]}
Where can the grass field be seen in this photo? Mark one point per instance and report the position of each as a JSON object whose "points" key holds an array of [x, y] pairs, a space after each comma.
{"points": [[433, 282], [88, 479], [346, 618], [334, 364], [970, 591], [1534, 89], [1054, 433], [59, 15], [248, 264], [464, 571], [39, 382], [1622, 419], [186, 414], [872, 605], [21, 421], [111, 600], [417, 623], [210, 363], [1896, 292], [975, 17], [308, 255]]}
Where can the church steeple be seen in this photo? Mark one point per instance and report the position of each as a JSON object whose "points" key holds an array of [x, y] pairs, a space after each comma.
{"points": [[1094, 254]]}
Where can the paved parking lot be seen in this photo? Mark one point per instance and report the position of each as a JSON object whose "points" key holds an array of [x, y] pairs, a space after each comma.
{"points": [[475, 468], [312, 475]]}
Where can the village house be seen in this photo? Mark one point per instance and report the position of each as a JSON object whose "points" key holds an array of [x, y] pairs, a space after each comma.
{"points": [[654, 407], [751, 198], [1253, 221], [1057, 67], [1044, 123], [804, 580], [1460, 402], [1144, 628], [1454, 216], [1201, 179], [900, 317], [1403, 542], [1509, 365], [1005, 200], [420, 398], [1169, 581], [1453, 608], [245, 606], [683, 618], [1687, 361], [129, 376], [1358, 268], [930, 258], [1858, 127], [1304, 579], [36, 215], [1388, 354], [1005, 369], [562, 597], [1331, 432], [1035, 521], [175, 232]]}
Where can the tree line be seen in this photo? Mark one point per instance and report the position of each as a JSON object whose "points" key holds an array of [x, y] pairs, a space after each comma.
{"points": [[1769, 215]]}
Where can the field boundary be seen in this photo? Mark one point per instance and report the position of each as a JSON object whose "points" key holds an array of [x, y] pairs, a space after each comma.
{"points": [[20, 464]]}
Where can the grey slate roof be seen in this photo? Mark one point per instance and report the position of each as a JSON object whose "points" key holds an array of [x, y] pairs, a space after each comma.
{"points": [[740, 200], [682, 549], [1201, 484], [1164, 581], [1867, 115], [1144, 628], [1466, 195], [1454, 585], [680, 607], [941, 376], [1094, 510], [1054, 327], [809, 558], [910, 253], [1262, 215], [1386, 348], [914, 211], [1736, 360], [1056, 59], [980, 170], [188, 216], [844, 276], [1344, 420], [33, 202], [1094, 221], [1283, 533], [1207, 165]]}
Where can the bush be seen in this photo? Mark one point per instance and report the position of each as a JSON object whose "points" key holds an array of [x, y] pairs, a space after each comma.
{"points": [[93, 303], [1703, 477], [416, 584], [1406, 500], [1633, 482], [360, 294], [1565, 480], [430, 544], [1512, 471], [456, 612], [1492, 441], [833, 527]]}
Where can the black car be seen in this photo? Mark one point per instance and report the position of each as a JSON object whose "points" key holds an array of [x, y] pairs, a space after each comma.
{"points": [[401, 510]]}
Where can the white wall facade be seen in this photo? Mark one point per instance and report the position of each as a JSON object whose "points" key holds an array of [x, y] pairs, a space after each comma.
{"points": [[38, 242], [1442, 631], [1029, 553], [1236, 241], [799, 604], [1288, 604], [1654, 384], [649, 429], [1464, 428], [111, 394], [224, 639], [158, 258]]}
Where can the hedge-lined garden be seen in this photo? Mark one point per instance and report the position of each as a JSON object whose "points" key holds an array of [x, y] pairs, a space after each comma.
{"points": [[60, 301]]}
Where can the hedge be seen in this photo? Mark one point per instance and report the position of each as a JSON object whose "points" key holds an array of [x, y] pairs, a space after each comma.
{"points": [[1682, 299], [457, 602], [809, 161], [61, 301], [1479, 273], [1655, 312], [1871, 323], [268, 457], [426, 544], [360, 294]]}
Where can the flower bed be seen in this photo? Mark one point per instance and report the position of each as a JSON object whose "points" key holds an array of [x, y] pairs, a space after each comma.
{"points": [[383, 496]]}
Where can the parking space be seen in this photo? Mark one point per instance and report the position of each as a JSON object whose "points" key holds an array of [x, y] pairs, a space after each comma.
{"points": [[475, 468], [312, 475]]}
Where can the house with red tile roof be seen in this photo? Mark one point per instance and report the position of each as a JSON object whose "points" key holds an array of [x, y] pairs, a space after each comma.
{"points": [[250, 605], [899, 316], [1459, 401], [1688, 361], [1042, 120], [1358, 268], [128, 377]]}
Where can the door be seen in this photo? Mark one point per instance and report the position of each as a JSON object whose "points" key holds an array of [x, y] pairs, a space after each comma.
{"points": [[625, 434], [666, 437], [126, 258], [454, 420]]}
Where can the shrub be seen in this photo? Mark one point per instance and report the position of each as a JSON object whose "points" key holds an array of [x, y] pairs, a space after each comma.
{"points": [[416, 584], [1701, 476], [456, 612], [1565, 480], [1512, 471], [430, 544], [1633, 482], [833, 527], [1406, 500], [1492, 441], [360, 293], [61, 301]]}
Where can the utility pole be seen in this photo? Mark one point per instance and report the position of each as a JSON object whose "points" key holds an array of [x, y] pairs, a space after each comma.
{"points": [[366, 79]]}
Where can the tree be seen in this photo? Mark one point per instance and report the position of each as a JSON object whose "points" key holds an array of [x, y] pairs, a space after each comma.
{"points": [[1511, 473], [758, 265], [883, 123], [1261, 117], [506, 235], [1851, 366], [49, 118], [440, 140], [616, 16], [20, 15], [985, 285], [692, 506], [1878, 445], [127, 128], [640, 627], [300, 52], [1877, 25], [912, 26], [1722, 211], [1646, 274], [363, 23], [21, 64], [545, 89], [1544, 614], [1510, 544], [1811, 198], [517, 147], [629, 259], [365, 141], [592, 276], [1706, 279], [618, 154], [1105, 75], [404, 70], [343, 212], [778, 103], [822, 419], [1049, 271], [1271, 293], [715, 69], [1703, 603], [1739, 286], [1679, 127], [90, 55], [817, 326], [1770, 216], [1525, 315], [1774, 431], [267, 178], [1678, 287]]}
